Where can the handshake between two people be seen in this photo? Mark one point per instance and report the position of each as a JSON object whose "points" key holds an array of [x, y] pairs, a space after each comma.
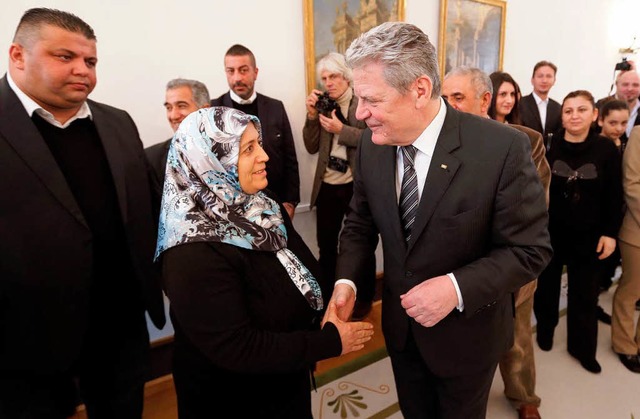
{"points": [[427, 303], [353, 335]]}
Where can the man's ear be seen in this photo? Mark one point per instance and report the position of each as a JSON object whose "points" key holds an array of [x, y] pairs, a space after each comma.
{"points": [[423, 88], [16, 55], [486, 103]]}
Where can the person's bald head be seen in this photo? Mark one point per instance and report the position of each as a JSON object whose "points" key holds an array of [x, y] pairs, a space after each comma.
{"points": [[628, 87]]}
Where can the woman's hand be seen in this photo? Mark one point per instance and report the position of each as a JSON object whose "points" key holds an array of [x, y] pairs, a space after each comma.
{"points": [[352, 334], [606, 246]]}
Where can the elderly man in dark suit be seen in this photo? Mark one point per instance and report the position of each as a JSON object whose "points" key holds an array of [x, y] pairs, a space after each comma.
{"points": [[282, 167], [77, 232], [463, 220], [537, 106]]}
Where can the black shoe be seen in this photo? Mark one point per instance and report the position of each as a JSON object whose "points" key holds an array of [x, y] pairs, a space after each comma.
{"points": [[545, 340], [632, 362], [591, 365], [603, 316]]}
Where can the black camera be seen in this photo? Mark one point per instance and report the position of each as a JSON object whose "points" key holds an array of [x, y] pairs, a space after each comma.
{"points": [[326, 105], [623, 65], [338, 164]]}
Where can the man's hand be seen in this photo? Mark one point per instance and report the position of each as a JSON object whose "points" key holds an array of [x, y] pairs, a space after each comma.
{"points": [[312, 112], [344, 299], [353, 335], [290, 208], [606, 246], [430, 301], [333, 124]]}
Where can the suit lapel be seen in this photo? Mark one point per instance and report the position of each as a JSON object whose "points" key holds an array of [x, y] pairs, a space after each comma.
{"points": [[536, 112], [442, 170], [22, 135], [111, 139]]}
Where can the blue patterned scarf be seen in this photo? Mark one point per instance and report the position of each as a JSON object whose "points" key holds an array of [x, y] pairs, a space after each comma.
{"points": [[202, 200]]}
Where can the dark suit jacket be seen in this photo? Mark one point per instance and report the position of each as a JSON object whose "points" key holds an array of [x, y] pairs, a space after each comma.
{"points": [[530, 116], [46, 245], [157, 156], [317, 140], [282, 167], [482, 216]]}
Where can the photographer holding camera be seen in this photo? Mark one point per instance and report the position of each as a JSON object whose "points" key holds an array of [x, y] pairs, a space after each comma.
{"points": [[332, 130]]}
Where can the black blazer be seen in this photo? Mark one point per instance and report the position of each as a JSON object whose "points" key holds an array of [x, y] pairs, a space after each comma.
{"points": [[282, 167], [482, 216], [46, 245], [157, 157], [530, 116]]}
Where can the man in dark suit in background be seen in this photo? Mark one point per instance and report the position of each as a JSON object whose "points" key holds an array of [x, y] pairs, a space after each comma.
{"points": [[282, 167], [538, 106], [462, 216], [77, 230], [182, 97]]}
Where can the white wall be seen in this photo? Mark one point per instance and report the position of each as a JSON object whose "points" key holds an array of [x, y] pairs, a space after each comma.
{"points": [[142, 44]]}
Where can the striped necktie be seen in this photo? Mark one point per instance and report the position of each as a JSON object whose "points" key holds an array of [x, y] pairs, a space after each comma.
{"points": [[408, 191]]}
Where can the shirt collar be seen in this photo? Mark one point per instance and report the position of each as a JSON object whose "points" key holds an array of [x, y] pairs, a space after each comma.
{"points": [[242, 101], [31, 106], [539, 100], [426, 142]]}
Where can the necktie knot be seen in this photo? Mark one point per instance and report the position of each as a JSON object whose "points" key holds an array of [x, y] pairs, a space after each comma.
{"points": [[408, 155]]}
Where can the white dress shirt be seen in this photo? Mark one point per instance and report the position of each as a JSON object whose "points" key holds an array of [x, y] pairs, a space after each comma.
{"points": [[242, 101], [31, 106], [633, 115], [542, 108]]}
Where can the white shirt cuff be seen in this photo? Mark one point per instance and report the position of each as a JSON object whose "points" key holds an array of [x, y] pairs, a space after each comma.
{"points": [[349, 283], [460, 305]]}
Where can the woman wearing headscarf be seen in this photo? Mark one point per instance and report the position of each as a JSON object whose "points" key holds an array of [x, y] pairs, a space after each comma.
{"points": [[245, 301]]}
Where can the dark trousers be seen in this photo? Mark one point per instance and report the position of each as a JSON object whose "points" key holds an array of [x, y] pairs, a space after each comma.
{"points": [[332, 206], [584, 276], [423, 395], [108, 377]]}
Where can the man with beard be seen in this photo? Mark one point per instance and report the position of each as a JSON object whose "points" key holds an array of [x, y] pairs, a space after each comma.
{"points": [[282, 167]]}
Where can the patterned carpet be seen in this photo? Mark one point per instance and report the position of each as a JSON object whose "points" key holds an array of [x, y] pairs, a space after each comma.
{"points": [[364, 387], [368, 392]]}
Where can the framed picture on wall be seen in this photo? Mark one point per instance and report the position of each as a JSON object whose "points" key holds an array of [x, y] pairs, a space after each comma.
{"points": [[472, 34], [331, 25]]}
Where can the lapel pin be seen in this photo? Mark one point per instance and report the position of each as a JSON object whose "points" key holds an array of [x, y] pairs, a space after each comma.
{"points": [[443, 166]]}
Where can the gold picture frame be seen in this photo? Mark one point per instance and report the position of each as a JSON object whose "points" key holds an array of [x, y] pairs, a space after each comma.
{"points": [[472, 34], [331, 25]]}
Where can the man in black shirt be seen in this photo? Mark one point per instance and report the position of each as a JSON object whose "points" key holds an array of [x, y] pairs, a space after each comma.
{"points": [[282, 167], [78, 235]]}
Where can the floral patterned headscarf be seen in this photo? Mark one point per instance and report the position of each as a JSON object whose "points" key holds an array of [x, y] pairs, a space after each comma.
{"points": [[202, 200]]}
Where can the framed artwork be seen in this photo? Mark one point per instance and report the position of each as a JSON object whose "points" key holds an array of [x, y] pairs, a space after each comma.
{"points": [[331, 25], [472, 34]]}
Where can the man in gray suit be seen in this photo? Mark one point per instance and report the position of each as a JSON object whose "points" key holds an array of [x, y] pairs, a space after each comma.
{"points": [[463, 220]]}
